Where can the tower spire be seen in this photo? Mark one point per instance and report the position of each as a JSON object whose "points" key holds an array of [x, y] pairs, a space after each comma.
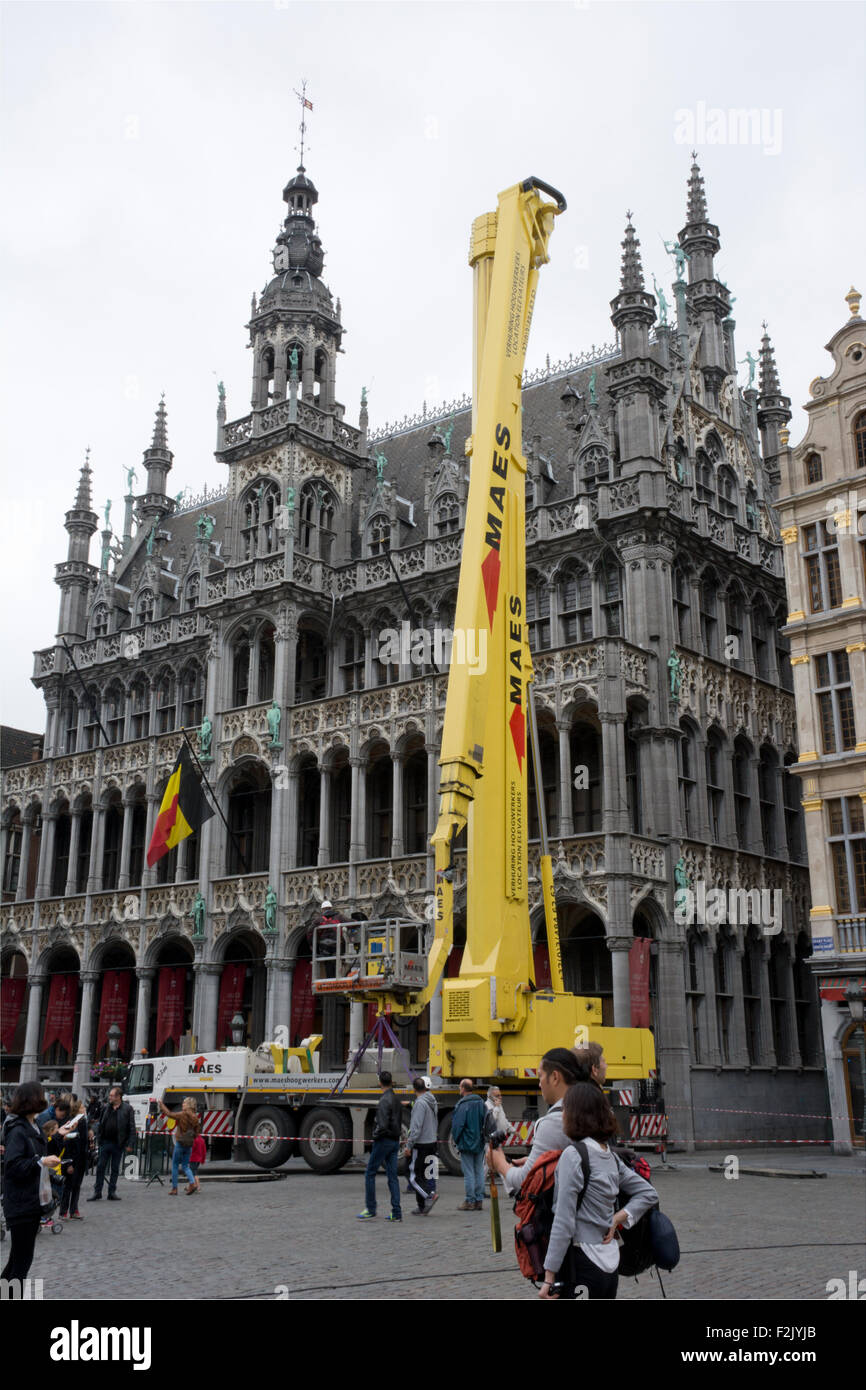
{"points": [[160, 435], [697, 206], [83, 497], [306, 106], [768, 374], [631, 277]]}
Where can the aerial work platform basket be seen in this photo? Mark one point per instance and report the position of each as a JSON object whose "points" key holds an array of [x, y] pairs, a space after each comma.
{"points": [[366, 958]]}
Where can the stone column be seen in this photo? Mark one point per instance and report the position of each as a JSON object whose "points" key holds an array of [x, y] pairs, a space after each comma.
{"points": [[324, 816], [278, 1002], [739, 1044], [779, 846], [84, 1056], [74, 842], [614, 806], [566, 822], [125, 844], [24, 861], [396, 806], [97, 848], [755, 844], [619, 947], [768, 1047], [358, 833], [699, 743], [672, 1041], [30, 1057], [148, 875], [729, 820], [205, 1004], [293, 778], [145, 976], [46, 854]]}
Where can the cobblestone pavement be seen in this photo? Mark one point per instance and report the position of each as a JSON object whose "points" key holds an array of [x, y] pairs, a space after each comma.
{"points": [[753, 1238]]}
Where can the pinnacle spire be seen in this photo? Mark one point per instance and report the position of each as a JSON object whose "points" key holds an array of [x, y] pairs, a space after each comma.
{"points": [[769, 376], [83, 498], [160, 437], [697, 210], [632, 271]]}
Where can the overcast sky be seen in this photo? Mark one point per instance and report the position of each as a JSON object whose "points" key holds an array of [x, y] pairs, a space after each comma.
{"points": [[144, 152]]}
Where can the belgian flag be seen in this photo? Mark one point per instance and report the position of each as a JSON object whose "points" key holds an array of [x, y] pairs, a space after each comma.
{"points": [[184, 808]]}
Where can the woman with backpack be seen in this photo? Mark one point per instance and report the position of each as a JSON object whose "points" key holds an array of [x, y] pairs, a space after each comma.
{"points": [[589, 1180]]}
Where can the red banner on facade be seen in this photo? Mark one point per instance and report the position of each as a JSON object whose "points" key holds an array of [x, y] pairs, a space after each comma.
{"points": [[112, 1008], [231, 998], [303, 1003], [639, 974], [170, 1005], [11, 999], [60, 1014]]}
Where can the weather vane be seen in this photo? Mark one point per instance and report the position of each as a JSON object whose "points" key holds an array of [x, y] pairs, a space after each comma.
{"points": [[305, 106]]}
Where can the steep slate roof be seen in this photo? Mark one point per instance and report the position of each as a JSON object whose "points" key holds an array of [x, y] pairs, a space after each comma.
{"points": [[16, 746]]}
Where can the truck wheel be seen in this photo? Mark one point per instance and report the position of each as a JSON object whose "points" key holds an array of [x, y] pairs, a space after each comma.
{"points": [[326, 1136], [272, 1130], [448, 1153]]}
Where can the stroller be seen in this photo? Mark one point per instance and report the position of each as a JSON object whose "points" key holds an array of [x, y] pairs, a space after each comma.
{"points": [[48, 1220]]}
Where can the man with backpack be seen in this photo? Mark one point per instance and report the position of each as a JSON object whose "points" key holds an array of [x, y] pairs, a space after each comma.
{"points": [[467, 1131]]}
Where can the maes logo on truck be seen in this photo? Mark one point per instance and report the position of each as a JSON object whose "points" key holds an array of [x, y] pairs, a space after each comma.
{"points": [[201, 1067]]}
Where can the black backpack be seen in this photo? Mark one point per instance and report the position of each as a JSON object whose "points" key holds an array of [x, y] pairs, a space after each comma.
{"points": [[650, 1241]]}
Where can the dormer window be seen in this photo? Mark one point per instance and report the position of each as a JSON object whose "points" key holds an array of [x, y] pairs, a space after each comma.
{"points": [[316, 531], [814, 468], [100, 620], [446, 515], [380, 535], [191, 592], [145, 607]]}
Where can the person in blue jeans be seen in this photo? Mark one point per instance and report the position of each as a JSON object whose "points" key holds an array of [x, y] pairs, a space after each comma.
{"points": [[385, 1150], [467, 1131]]}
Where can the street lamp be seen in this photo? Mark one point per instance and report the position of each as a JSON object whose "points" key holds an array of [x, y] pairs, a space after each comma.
{"points": [[113, 1039], [238, 1027], [855, 997]]}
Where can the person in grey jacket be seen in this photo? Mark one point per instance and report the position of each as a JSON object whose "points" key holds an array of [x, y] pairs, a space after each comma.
{"points": [[588, 1232], [423, 1163]]}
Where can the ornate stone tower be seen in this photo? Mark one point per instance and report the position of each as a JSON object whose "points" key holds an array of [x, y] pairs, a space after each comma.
{"points": [[295, 329], [153, 504], [707, 298], [76, 576]]}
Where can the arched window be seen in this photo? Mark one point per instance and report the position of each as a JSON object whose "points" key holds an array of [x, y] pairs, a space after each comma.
{"points": [[85, 835], [704, 479], [549, 758], [725, 960], [100, 620], [352, 659], [575, 605], [769, 809], [259, 509], [69, 723], [249, 818], [761, 639], [137, 809], [340, 809], [727, 492], [538, 612], [320, 378], [139, 701], [191, 591], [695, 993], [309, 797], [632, 773], [385, 636], [446, 514], [165, 703], [859, 435], [715, 786], [191, 695], [318, 507], [265, 644], [240, 670], [415, 802], [742, 771], [780, 969], [145, 607], [791, 789], [595, 467], [734, 637], [115, 708], [265, 392], [688, 780], [379, 793], [709, 620], [12, 865], [113, 834], [586, 778], [62, 838], [379, 532], [814, 468], [682, 596], [311, 666], [752, 966], [610, 580], [92, 733]]}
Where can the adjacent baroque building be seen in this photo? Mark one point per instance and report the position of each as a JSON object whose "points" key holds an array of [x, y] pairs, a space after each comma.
{"points": [[298, 615], [822, 507]]}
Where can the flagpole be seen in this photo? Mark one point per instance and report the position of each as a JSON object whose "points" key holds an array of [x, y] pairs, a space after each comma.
{"points": [[234, 839], [88, 697]]}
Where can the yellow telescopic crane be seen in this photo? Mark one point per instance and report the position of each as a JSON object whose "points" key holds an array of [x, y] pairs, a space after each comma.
{"points": [[496, 1022]]}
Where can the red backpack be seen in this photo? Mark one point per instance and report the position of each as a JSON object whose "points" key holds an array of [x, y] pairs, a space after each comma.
{"points": [[534, 1211]]}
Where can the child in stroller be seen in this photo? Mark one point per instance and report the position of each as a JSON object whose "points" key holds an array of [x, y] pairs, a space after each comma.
{"points": [[49, 1221]]}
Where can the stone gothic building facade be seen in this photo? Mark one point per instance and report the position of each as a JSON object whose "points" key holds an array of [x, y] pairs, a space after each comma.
{"points": [[299, 614]]}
